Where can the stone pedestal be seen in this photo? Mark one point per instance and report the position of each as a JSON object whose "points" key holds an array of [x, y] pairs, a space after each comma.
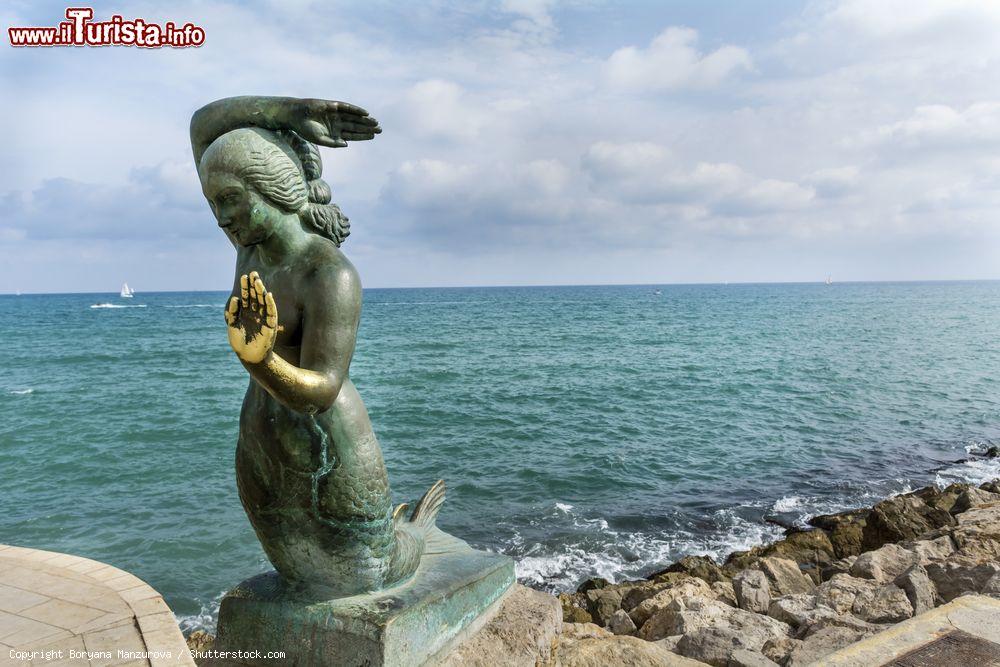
{"points": [[454, 592]]}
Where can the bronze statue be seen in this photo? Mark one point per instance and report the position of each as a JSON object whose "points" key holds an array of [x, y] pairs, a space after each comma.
{"points": [[308, 467]]}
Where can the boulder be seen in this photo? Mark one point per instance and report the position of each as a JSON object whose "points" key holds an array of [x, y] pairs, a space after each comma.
{"points": [[572, 608], [890, 605], [840, 566], [960, 574], [919, 588], [602, 603], [634, 595], [883, 564], [992, 487], [574, 631], [685, 615], [930, 550], [621, 623], [785, 577], [977, 534], [702, 567], [199, 641], [778, 650], [844, 530], [712, 645], [901, 518], [973, 497], [690, 586], [843, 592], [524, 631], [745, 658], [617, 650], [942, 499], [753, 592], [796, 610], [592, 584], [839, 621], [725, 593], [992, 587], [824, 642], [811, 548]]}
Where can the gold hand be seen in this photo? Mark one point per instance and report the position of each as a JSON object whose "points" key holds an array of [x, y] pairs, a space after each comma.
{"points": [[252, 320]]}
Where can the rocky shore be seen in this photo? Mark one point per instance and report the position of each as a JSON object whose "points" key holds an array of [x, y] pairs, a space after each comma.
{"points": [[852, 574]]}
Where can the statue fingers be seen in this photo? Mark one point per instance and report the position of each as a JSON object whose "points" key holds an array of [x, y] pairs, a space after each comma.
{"points": [[358, 136], [272, 311], [258, 285], [244, 292], [231, 311], [345, 108], [252, 289]]}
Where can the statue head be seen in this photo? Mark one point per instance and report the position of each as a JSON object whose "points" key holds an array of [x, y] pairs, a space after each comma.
{"points": [[254, 180]]}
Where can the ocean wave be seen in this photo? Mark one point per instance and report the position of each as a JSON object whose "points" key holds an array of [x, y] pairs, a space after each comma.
{"points": [[205, 619], [973, 471], [117, 305], [21, 392], [196, 305]]}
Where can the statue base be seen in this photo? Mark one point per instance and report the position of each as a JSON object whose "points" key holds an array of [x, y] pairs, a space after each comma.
{"points": [[453, 593]]}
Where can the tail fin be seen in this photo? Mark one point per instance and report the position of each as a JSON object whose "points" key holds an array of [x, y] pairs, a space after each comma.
{"points": [[426, 510]]}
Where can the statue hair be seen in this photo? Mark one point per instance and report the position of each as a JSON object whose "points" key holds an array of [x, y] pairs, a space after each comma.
{"points": [[292, 180]]}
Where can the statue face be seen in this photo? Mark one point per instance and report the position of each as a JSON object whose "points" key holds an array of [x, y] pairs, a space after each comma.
{"points": [[243, 214]]}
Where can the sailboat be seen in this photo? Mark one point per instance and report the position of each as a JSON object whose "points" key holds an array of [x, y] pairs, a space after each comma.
{"points": [[829, 280], [127, 292]]}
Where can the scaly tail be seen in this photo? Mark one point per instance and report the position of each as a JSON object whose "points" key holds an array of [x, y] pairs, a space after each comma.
{"points": [[427, 509]]}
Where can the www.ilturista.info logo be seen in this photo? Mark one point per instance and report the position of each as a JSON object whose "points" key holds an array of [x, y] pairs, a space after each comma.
{"points": [[79, 30]]}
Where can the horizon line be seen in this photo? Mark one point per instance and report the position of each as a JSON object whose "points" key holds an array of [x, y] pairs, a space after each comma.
{"points": [[678, 284]]}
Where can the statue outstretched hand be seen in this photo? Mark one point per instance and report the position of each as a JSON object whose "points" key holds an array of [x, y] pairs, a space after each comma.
{"points": [[252, 320], [332, 124]]}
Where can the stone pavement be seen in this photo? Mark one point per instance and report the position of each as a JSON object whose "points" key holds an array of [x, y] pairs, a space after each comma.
{"points": [[95, 614]]}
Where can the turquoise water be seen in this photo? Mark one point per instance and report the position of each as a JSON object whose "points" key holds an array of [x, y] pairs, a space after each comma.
{"points": [[582, 430]]}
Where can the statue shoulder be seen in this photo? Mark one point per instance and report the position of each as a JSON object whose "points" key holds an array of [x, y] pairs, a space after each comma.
{"points": [[329, 269]]}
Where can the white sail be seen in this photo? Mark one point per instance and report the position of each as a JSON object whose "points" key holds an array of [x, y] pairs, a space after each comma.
{"points": [[126, 292]]}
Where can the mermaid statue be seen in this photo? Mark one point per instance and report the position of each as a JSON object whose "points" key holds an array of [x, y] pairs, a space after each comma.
{"points": [[309, 470]]}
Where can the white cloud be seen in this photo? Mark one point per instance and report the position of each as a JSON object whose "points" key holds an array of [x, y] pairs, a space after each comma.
{"points": [[672, 62]]}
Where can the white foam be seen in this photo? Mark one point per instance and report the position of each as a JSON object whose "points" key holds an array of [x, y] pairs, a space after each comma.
{"points": [[786, 504], [21, 392], [564, 507], [975, 471], [117, 305], [205, 619]]}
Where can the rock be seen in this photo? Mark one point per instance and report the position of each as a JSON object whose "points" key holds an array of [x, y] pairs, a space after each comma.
{"points": [[883, 564], [797, 610], [724, 592], [744, 658], [992, 487], [621, 623], [811, 549], [574, 631], [592, 584], [929, 551], [840, 566], [572, 609], [992, 587], [753, 592], [685, 615], [784, 576], [843, 592], [199, 641], [634, 595], [711, 645], [821, 644], [901, 518], [670, 643], [618, 651], [942, 499], [690, 586], [702, 567], [778, 650], [919, 588], [960, 574], [670, 578], [839, 621], [890, 605], [602, 603], [844, 529], [524, 631], [973, 497], [977, 534]]}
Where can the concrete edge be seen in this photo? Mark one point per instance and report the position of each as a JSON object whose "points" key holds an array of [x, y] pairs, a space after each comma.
{"points": [[976, 614], [157, 623]]}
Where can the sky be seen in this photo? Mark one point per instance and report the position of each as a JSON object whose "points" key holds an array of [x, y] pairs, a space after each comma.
{"points": [[529, 142]]}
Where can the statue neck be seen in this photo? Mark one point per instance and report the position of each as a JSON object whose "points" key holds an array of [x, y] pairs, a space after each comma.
{"points": [[286, 241]]}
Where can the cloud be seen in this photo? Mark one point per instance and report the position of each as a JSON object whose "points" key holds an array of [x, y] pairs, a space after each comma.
{"points": [[673, 62], [941, 127]]}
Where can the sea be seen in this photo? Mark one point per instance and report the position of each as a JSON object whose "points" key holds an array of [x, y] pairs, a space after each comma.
{"points": [[585, 431]]}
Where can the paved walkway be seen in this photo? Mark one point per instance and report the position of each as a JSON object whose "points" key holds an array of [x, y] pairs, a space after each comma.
{"points": [[95, 614]]}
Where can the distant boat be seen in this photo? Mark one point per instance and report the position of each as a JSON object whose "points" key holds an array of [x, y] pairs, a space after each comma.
{"points": [[829, 280], [127, 293], [658, 292]]}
